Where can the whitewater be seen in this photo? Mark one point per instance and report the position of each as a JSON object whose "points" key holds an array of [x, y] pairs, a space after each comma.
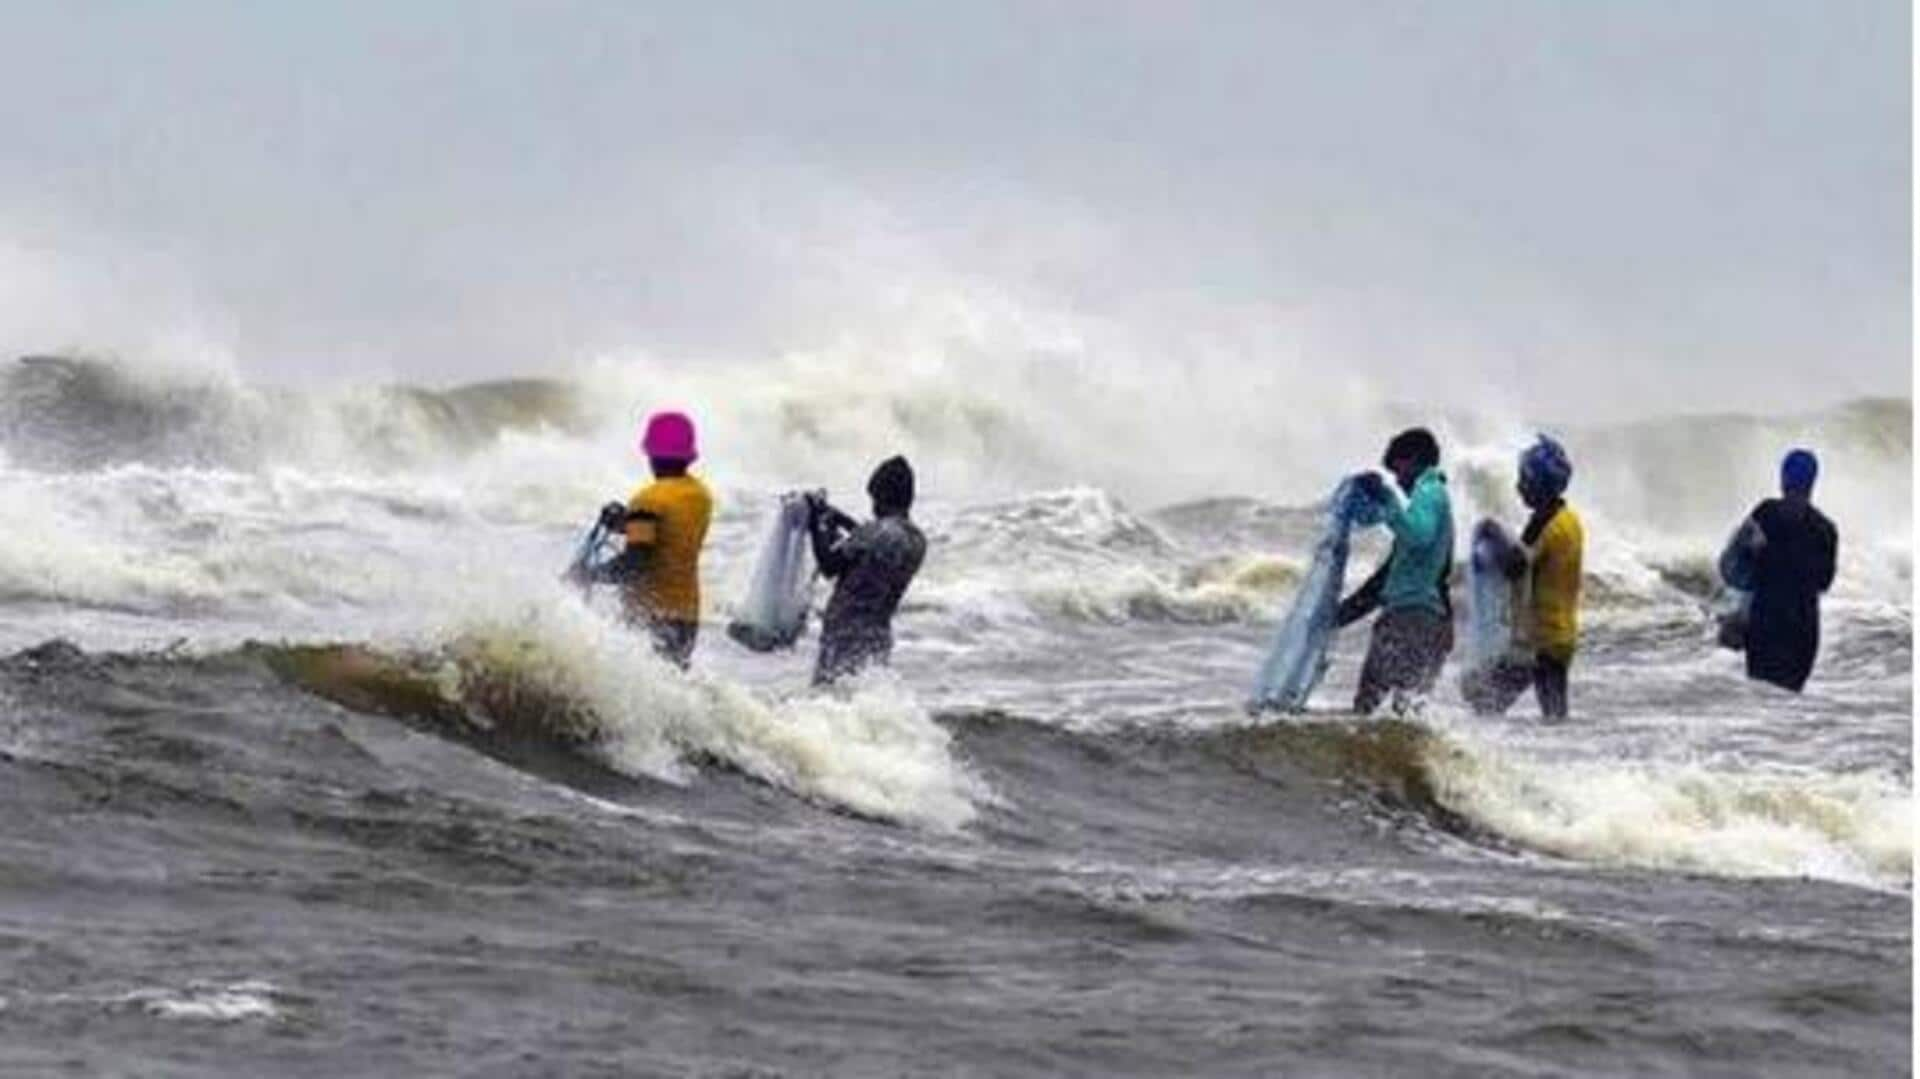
{"points": [[314, 763]]}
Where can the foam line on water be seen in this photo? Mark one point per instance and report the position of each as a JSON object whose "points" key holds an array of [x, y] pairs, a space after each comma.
{"points": [[1855, 829]]}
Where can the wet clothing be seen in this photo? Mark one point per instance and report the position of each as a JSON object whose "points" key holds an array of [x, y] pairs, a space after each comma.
{"points": [[1409, 646], [1493, 690], [1555, 543], [1418, 571], [1414, 633], [1791, 568], [872, 565], [658, 572], [1367, 598], [667, 521], [1422, 547]]}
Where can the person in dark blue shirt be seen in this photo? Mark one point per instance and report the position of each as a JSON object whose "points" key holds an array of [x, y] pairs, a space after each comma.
{"points": [[1793, 549]]}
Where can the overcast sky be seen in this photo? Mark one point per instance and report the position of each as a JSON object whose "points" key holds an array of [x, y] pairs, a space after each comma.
{"points": [[1617, 205]]}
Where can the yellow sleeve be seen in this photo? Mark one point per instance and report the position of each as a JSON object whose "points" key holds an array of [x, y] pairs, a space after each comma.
{"points": [[643, 518]]}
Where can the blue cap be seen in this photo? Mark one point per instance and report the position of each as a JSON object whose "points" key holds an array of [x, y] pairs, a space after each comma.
{"points": [[1798, 471], [1544, 468]]}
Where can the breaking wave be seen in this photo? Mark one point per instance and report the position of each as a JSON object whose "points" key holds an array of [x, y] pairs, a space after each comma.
{"points": [[562, 674], [1658, 815], [981, 424], [1855, 829], [62, 413]]}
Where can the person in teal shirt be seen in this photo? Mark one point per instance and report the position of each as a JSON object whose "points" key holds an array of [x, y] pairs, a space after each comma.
{"points": [[1414, 633]]}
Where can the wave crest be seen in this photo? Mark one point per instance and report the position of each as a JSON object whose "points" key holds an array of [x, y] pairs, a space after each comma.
{"points": [[60, 413], [564, 676]]}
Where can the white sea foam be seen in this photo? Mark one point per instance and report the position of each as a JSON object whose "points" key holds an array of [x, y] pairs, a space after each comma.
{"points": [[206, 1002], [188, 541], [290, 544], [872, 749], [1674, 815], [233, 1003], [991, 405]]}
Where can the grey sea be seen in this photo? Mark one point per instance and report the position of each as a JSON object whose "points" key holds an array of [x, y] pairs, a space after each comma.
{"points": [[310, 766]]}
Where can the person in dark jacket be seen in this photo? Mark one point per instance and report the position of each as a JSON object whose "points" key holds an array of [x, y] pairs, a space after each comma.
{"points": [[872, 565], [1414, 633], [1793, 549]]}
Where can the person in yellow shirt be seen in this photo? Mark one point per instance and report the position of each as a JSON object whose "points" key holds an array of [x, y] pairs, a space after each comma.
{"points": [[665, 525], [1548, 567]]}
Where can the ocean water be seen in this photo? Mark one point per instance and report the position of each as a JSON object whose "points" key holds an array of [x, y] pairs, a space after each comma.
{"points": [[312, 767]]}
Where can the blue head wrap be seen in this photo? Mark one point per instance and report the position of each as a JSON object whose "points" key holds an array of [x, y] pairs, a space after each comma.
{"points": [[1544, 468], [1798, 471]]}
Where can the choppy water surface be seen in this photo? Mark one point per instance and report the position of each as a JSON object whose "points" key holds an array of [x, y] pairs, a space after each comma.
{"points": [[310, 767]]}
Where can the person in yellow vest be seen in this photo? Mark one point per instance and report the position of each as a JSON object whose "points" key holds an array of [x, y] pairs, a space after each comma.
{"points": [[665, 524], [1549, 563]]}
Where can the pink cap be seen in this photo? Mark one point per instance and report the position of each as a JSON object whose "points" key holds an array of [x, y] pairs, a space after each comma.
{"points": [[669, 436]]}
